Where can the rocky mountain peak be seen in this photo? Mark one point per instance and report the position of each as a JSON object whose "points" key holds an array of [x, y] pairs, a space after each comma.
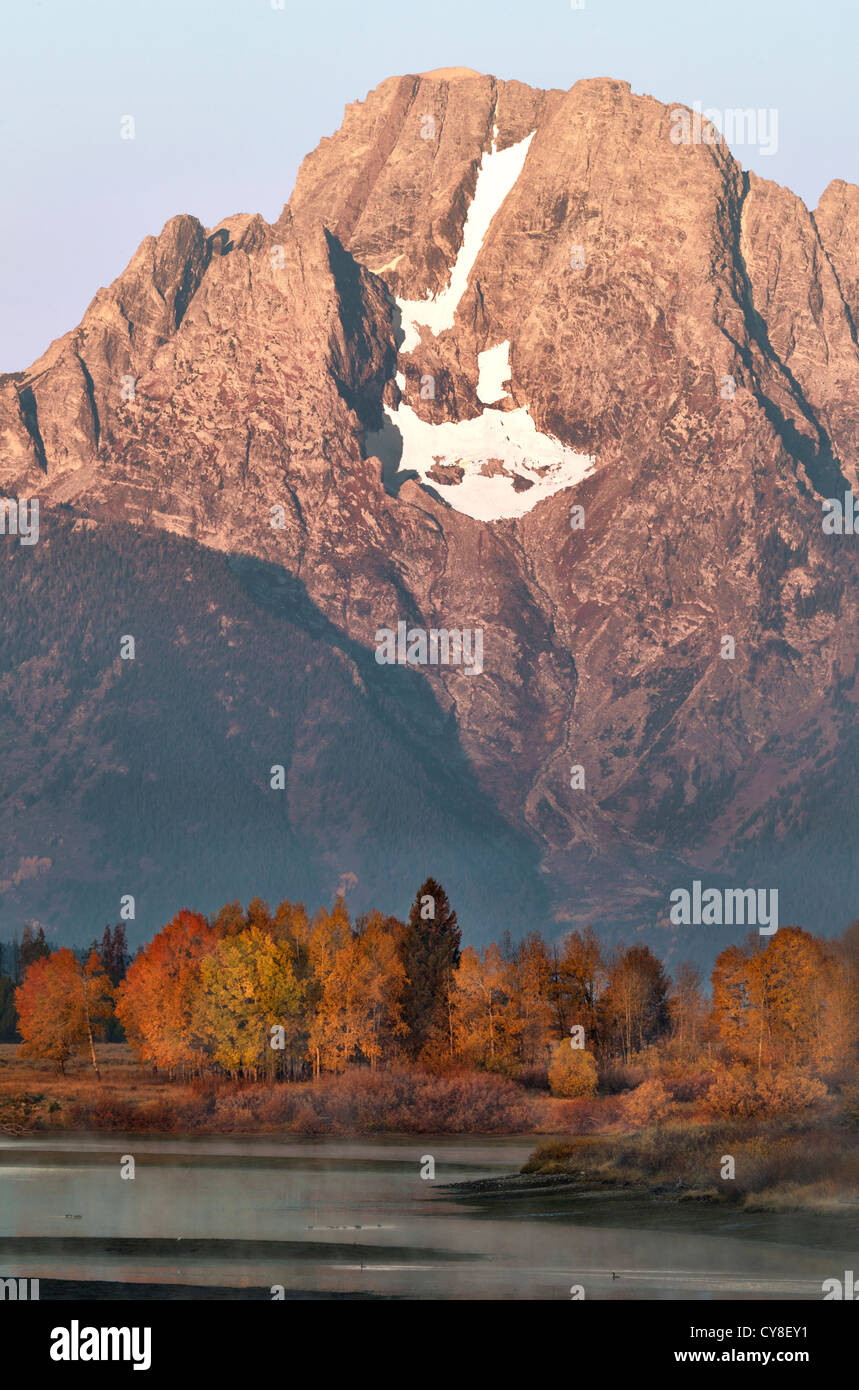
{"points": [[521, 361]]}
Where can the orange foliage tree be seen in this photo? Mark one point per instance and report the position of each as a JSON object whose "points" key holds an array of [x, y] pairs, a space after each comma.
{"points": [[157, 998], [360, 1011], [482, 1014], [578, 980], [634, 1006], [61, 1004], [248, 1002], [790, 1003]]}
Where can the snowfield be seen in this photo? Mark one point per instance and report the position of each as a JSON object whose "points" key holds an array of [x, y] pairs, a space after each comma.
{"points": [[496, 176], [482, 447], [493, 367], [497, 464]]}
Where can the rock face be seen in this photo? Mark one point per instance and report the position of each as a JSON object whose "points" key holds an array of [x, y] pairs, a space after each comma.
{"points": [[688, 327]]}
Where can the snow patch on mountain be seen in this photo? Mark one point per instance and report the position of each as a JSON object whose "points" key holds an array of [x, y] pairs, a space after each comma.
{"points": [[498, 172], [494, 466], [493, 368]]}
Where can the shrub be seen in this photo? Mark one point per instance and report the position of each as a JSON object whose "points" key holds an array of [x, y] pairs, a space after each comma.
{"points": [[690, 1087], [105, 1112], [572, 1072], [410, 1100], [156, 1118], [616, 1077], [18, 1112], [738, 1094], [647, 1104], [582, 1115], [782, 1093], [533, 1078], [732, 1094], [552, 1157]]}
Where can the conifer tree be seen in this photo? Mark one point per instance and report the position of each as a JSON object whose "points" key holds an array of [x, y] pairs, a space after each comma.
{"points": [[430, 957], [33, 947]]}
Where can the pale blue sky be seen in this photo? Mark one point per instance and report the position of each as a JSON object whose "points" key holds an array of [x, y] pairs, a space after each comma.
{"points": [[229, 95]]}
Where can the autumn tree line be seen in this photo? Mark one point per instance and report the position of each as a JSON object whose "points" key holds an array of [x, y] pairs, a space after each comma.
{"points": [[252, 993]]}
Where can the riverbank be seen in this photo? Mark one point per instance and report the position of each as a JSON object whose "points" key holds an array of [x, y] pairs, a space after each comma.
{"points": [[804, 1163]]}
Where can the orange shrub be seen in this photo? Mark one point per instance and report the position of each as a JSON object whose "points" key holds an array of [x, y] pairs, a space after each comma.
{"points": [[738, 1094], [572, 1072], [647, 1104]]}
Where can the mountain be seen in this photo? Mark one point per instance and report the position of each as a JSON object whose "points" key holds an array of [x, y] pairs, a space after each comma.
{"points": [[512, 361]]}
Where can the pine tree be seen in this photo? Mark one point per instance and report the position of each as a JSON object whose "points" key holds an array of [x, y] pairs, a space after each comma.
{"points": [[105, 950], [121, 956], [33, 947], [113, 951], [8, 1013], [430, 956]]}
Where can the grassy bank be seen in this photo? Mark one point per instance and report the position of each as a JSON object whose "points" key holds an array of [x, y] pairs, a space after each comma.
{"points": [[793, 1163]]}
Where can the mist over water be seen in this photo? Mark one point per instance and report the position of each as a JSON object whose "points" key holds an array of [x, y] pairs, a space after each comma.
{"points": [[354, 1217]]}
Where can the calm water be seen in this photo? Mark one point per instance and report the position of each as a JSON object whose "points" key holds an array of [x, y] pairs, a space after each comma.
{"points": [[354, 1216]]}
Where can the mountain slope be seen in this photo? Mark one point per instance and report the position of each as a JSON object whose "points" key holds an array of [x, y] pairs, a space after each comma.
{"points": [[152, 776]]}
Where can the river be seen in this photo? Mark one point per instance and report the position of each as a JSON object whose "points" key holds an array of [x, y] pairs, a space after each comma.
{"points": [[340, 1216]]}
